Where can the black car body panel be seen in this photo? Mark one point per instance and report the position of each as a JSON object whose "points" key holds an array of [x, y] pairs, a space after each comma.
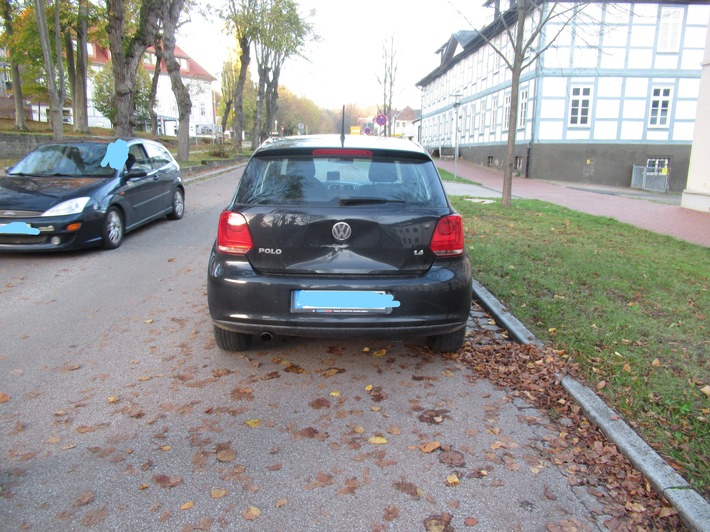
{"points": [[72, 170], [327, 225]]}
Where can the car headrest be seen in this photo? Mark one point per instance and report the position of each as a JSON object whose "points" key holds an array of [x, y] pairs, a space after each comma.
{"points": [[300, 167], [382, 172]]}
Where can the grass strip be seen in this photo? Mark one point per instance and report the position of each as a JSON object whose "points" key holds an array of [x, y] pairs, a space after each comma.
{"points": [[631, 307]]}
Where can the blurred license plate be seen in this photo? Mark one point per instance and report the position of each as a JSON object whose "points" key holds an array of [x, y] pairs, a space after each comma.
{"points": [[343, 301]]}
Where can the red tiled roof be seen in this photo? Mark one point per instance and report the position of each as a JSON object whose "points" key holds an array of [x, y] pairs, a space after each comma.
{"points": [[194, 69]]}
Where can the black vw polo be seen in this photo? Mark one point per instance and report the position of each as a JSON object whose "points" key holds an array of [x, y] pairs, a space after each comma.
{"points": [[341, 237]]}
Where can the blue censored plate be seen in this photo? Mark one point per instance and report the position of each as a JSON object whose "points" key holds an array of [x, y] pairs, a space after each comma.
{"points": [[342, 301]]}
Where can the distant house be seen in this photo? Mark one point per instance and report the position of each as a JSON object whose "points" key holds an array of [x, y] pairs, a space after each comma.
{"points": [[405, 123], [202, 118], [617, 88]]}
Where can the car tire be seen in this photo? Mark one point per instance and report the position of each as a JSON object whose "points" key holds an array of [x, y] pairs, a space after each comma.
{"points": [[230, 340], [178, 205], [448, 342], [113, 229]]}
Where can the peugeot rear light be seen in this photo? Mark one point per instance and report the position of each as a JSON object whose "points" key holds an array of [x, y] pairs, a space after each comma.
{"points": [[447, 240], [233, 234]]}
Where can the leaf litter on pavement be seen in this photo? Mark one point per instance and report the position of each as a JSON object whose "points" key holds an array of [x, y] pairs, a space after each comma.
{"points": [[531, 374], [580, 450]]}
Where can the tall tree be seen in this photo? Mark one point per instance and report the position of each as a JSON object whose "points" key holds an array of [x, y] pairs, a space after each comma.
{"points": [[7, 15], [55, 90], [170, 14], [526, 49], [79, 85], [242, 17], [230, 72], [153, 99], [387, 82], [104, 101], [127, 51], [283, 33]]}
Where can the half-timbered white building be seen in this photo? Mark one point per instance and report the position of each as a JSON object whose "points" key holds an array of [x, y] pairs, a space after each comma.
{"points": [[618, 87]]}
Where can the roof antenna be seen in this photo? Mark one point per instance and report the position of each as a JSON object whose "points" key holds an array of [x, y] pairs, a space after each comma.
{"points": [[342, 130]]}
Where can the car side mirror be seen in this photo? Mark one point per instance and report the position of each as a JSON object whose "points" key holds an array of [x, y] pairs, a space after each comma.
{"points": [[134, 173]]}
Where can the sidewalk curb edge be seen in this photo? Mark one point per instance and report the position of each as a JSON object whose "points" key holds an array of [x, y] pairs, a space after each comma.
{"points": [[692, 507]]}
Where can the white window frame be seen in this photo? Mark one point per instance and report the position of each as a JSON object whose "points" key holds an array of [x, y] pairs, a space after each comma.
{"points": [[523, 109], [506, 112], [669, 30], [494, 114], [659, 113], [580, 106]]}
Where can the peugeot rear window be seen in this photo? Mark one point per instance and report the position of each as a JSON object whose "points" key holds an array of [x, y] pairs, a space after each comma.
{"points": [[306, 180]]}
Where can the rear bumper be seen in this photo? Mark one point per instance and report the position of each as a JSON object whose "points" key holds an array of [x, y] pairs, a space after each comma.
{"points": [[241, 300]]}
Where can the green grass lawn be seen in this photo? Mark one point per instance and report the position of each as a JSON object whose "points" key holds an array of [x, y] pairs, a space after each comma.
{"points": [[630, 307]]}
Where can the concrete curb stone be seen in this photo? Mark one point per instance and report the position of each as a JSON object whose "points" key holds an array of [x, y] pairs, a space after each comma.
{"points": [[692, 507]]}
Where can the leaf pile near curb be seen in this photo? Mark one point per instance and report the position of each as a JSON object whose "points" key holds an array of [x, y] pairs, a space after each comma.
{"points": [[578, 449]]}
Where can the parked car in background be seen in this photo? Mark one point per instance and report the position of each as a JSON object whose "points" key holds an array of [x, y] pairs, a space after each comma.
{"points": [[343, 238], [83, 193]]}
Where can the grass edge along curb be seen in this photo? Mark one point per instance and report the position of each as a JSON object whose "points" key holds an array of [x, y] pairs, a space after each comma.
{"points": [[692, 507]]}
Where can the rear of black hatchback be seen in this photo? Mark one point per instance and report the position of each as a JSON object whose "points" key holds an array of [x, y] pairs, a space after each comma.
{"points": [[350, 238]]}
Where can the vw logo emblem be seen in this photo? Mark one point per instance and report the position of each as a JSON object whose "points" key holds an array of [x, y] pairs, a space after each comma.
{"points": [[342, 231]]}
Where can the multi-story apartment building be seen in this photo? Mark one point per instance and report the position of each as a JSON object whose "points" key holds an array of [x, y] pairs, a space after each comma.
{"points": [[617, 87]]}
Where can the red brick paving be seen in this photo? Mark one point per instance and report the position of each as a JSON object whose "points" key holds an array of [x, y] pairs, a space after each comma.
{"points": [[684, 224]]}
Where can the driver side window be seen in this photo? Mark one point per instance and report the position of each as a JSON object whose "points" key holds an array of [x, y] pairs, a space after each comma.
{"points": [[141, 161]]}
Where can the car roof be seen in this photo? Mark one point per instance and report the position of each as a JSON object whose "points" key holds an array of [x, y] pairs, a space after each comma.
{"points": [[305, 144]]}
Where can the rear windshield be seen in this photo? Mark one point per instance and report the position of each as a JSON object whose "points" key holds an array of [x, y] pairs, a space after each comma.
{"points": [[306, 180]]}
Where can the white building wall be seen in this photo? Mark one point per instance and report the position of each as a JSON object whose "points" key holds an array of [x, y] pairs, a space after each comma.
{"points": [[622, 63]]}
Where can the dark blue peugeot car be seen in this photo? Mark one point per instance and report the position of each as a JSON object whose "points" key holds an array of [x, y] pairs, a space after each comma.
{"points": [[340, 237]]}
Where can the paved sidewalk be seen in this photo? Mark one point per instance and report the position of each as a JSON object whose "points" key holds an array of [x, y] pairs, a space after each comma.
{"points": [[637, 208]]}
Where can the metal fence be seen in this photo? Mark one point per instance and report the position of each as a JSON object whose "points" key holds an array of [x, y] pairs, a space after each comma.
{"points": [[650, 178]]}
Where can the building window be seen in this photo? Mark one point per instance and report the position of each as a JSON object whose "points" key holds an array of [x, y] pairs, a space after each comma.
{"points": [[518, 163], [660, 107], [506, 112], [658, 166], [203, 109], [579, 106], [669, 29], [523, 115], [494, 114], [489, 161]]}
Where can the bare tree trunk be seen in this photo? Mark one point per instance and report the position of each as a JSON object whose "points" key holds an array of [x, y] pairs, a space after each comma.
{"points": [[61, 87], [507, 194], [171, 14], [272, 99], [55, 103], [79, 93], [20, 124], [244, 60], [154, 88], [261, 92], [126, 58]]}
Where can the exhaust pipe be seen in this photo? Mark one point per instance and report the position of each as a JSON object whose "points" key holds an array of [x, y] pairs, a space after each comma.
{"points": [[266, 336]]}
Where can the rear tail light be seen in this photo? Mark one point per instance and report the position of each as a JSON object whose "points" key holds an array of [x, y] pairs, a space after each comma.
{"points": [[447, 240], [233, 234]]}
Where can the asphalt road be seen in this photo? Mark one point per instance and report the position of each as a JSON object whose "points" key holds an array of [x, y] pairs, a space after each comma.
{"points": [[120, 413]]}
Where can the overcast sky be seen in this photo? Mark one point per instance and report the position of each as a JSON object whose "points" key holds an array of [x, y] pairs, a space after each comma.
{"points": [[343, 66]]}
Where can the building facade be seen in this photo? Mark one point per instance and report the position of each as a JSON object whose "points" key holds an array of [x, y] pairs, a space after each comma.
{"points": [[198, 80], [614, 88]]}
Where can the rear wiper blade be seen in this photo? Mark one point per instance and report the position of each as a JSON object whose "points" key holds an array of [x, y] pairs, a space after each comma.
{"points": [[366, 201]]}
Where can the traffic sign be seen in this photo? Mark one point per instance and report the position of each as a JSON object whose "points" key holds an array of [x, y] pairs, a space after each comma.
{"points": [[381, 119]]}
